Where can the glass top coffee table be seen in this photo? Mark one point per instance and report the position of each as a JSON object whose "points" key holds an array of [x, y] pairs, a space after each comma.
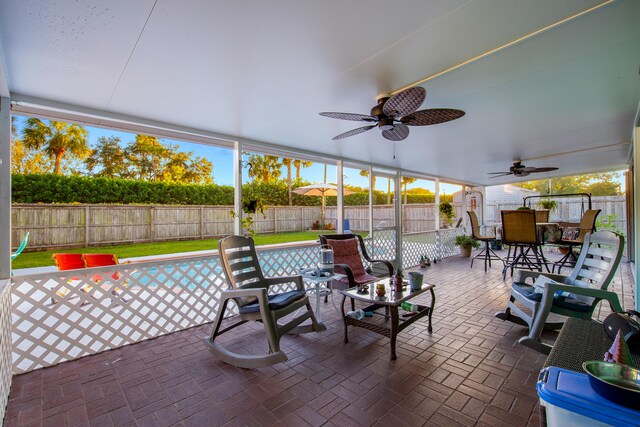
{"points": [[388, 316]]}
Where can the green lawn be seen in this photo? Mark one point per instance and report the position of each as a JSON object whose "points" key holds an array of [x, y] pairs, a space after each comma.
{"points": [[41, 259]]}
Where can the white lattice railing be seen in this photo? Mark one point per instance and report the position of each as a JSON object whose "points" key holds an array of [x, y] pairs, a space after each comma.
{"points": [[416, 245], [5, 345], [65, 315]]}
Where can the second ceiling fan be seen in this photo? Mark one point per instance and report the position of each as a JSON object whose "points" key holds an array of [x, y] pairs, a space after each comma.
{"points": [[394, 114], [518, 169]]}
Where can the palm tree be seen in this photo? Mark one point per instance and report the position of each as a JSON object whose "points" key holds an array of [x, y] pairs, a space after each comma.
{"points": [[406, 180], [287, 163], [366, 173], [57, 139], [300, 163], [264, 168]]}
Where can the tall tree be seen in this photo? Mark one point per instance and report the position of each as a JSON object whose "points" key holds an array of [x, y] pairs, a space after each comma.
{"points": [[574, 184], [264, 168], [107, 159], [148, 159], [300, 163], [146, 156], [405, 181], [183, 168], [56, 139]]}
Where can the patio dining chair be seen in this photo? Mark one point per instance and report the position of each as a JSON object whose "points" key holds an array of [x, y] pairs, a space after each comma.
{"points": [[587, 225], [249, 289], [520, 233], [347, 259], [573, 295], [487, 253]]}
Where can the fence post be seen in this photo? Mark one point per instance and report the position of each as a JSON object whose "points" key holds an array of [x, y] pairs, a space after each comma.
{"points": [[86, 225], [201, 222], [151, 224]]}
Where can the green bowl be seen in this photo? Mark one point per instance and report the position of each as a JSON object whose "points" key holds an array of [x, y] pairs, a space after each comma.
{"points": [[615, 382]]}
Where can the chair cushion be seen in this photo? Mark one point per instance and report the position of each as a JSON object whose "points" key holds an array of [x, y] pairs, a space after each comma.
{"points": [[570, 233], [276, 301], [360, 279], [346, 252], [566, 302]]}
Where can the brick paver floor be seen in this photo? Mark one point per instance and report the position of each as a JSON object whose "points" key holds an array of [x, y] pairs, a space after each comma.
{"points": [[469, 371]]}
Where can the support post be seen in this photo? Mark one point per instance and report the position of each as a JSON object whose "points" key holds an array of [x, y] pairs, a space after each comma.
{"points": [[437, 215], [397, 203], [371, 200], [5, 188], [340, 202], [636, 213], [237, 187]]}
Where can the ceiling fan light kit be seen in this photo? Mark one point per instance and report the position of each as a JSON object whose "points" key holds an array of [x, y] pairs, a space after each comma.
{"points": [[392, 115]]}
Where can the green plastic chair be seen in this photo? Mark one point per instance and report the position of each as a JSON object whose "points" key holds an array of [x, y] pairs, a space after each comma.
{"points": [[23, 245]]}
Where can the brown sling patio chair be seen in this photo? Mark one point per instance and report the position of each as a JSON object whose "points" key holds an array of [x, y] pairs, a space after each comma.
{"points": [[347, 260], [520, 233], [575, 295], [486, 253], [249, 289]]}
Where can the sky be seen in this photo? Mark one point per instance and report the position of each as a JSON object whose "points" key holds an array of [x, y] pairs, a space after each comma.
{"points": [[222, 159]]}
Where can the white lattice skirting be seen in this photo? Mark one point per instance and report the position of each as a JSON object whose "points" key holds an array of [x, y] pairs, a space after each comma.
{"points": [[65, 315], [5, 346]]}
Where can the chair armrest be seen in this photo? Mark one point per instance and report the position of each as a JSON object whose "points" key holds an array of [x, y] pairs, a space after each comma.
{"points": [[385, 262], [523, 275], [347, 271], [547, 302], [609, 296], [297, 279]]}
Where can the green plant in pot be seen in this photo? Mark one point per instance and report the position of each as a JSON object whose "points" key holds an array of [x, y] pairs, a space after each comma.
{"points": [[547, 204], [447, 213], [466, 243]]}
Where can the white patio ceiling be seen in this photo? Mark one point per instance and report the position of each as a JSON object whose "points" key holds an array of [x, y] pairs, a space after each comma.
{"points": [[263, 70]]}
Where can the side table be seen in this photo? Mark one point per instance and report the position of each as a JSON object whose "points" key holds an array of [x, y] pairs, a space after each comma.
{"points": [[393, 318], [319, 290]]}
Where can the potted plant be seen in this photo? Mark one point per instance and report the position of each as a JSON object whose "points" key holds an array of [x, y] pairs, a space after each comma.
{"points": [[249, 207], [447, 213], [425, 262], [466, 243], [547, 204]]}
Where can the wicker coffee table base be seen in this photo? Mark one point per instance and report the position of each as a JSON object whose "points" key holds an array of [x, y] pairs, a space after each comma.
{"points": [[387, 320]]}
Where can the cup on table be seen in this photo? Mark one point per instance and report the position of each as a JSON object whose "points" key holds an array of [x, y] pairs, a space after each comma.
{"points": [[415, 280]]}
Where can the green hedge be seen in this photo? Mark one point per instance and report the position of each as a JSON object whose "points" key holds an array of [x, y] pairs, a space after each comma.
{"points": [[50, 188]]}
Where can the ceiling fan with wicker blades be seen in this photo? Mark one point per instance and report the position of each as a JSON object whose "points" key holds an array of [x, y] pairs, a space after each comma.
{"points": [[518, 169], [394, 114]]}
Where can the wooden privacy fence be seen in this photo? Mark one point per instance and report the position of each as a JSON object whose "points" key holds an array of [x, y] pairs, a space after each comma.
{"points": [[79, 225], [76, 225]]}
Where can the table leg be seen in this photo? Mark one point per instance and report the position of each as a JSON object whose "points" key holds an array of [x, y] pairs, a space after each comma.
{"points": [[433, 303], [344, 318], [395, 321], [318, 312]]}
